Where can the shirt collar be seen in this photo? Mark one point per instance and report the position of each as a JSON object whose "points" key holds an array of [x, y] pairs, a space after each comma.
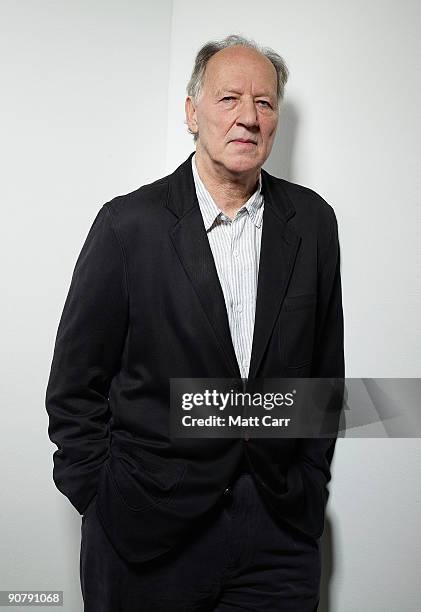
{"points": [[210, 210]]}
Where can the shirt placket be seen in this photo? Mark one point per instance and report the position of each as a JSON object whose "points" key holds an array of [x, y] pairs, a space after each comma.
{"points": [[238, 290]]}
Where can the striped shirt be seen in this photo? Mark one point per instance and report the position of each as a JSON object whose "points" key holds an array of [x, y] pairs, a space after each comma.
{"points": [[235, 246]]}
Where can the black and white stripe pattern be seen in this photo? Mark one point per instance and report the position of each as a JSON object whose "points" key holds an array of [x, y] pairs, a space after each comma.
{"points": [[235, 246]]}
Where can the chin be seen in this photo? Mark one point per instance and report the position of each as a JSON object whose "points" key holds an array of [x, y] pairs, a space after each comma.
{"points": [[242, 163]]}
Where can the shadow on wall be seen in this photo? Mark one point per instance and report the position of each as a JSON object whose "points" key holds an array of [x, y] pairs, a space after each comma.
{"points": [[281, 158], [280, 164]]}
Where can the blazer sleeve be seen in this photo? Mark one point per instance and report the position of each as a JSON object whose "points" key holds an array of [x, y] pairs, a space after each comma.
{"points": [[328, 361], [87, 355]]}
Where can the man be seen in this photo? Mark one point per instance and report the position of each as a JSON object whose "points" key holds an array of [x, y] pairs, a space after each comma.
{"points": [[218, 270]]}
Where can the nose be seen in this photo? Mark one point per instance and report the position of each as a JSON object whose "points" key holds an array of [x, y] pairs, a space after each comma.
{"points": [[247, 115]]}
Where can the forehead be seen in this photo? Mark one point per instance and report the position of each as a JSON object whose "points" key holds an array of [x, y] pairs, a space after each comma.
{"points": [[237, 67]]}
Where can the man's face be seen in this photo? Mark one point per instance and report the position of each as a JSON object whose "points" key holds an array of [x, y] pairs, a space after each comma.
{"points": [[237, 103]]}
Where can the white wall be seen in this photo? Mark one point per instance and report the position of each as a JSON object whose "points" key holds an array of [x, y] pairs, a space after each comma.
{"points": [[350, 129], [84, 102], [87, 115]]}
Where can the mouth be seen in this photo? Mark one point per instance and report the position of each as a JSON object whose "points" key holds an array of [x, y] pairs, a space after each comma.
{"points": [[244, 142]]}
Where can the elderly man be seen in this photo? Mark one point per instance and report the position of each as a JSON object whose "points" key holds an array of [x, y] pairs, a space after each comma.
{"points": [[218, 270]]}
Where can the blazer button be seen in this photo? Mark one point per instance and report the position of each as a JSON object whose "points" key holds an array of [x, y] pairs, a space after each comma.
{"points": [[227, 491]]}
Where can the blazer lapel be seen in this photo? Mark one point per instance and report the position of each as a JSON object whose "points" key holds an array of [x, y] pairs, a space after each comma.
{"points": [[192, 245], [278, 252]]}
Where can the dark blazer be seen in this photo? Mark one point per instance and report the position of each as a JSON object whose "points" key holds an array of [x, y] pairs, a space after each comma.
{"points": [[145, 305]]}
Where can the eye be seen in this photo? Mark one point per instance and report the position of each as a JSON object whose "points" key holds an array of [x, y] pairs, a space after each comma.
{"points": [[228, 98], [265, 103]]}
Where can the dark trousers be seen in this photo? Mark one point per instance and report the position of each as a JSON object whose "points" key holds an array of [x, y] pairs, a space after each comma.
{"points": [[241, 558]]}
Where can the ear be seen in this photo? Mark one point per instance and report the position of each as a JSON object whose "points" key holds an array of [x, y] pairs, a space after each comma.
{"points": [[191, 118]]}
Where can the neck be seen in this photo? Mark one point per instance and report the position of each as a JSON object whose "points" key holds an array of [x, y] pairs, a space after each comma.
{"points": [[228, 190]]}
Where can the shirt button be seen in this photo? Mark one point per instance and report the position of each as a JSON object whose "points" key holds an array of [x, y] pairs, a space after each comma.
{"points": [[239, 307]]}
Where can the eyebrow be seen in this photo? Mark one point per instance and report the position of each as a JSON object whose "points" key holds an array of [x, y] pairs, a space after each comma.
{"points": [[219, 92]]}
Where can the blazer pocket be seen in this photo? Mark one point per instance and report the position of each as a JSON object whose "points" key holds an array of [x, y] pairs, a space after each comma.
{"points": [[296, 329], [143, 479]]}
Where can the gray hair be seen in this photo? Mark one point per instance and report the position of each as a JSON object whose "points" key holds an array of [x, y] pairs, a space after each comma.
{"points": [[209, 49]]}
